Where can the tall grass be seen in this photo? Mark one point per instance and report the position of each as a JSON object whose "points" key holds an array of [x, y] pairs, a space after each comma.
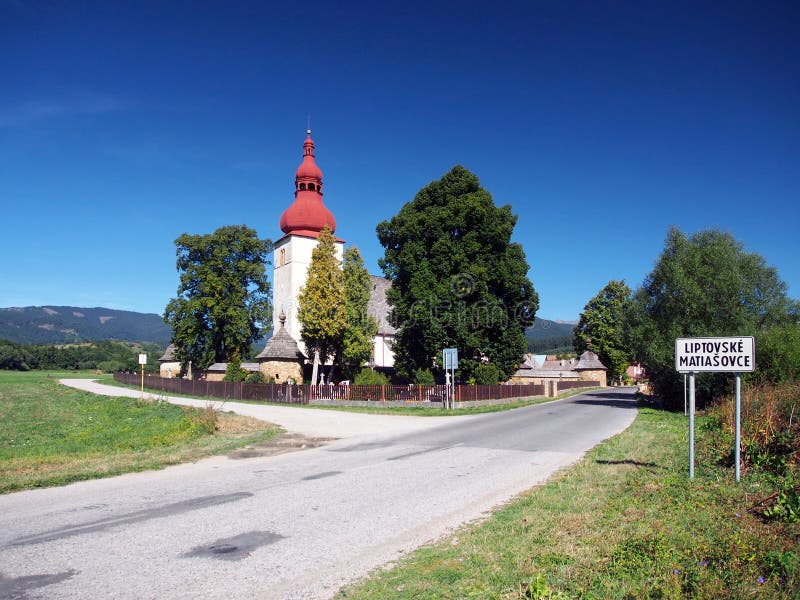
{"points": [[770, 426], [770, 443]]}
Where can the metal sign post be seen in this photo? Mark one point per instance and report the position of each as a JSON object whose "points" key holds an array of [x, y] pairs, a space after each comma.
{"points": [[738, 442], [715, 355], [691, 425], [143, 362], [450, 362]]}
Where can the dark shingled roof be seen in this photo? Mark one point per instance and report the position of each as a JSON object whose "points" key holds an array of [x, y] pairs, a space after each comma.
{"points": [[281, 346], [169, 354], [589, 362], [379, 307]]}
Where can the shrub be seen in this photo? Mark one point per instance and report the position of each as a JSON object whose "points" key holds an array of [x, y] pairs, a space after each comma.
{"points": [[778, 351], [487, 374], [424, 377], [234, 370], [369, 377], [257, 377]]}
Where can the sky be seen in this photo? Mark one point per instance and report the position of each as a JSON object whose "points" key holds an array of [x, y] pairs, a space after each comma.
{"points": [[602, 124]]}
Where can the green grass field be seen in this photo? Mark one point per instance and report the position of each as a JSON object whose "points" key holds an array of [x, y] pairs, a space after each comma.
{"points": [[625, 523], [51, 434]]}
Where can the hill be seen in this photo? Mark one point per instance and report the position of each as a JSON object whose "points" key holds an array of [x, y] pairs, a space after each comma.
{"points": [[549, 337], [70, 324]]}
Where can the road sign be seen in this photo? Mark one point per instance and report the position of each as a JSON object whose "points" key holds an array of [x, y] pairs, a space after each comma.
{"points": [[143, 359], [450, 358], [715, 355]]}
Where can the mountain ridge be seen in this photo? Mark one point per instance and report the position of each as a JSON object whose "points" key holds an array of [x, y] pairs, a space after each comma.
{"points": [[53, 324]]}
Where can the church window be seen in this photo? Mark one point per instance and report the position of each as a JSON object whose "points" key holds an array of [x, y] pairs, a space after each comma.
{"points": [[311, 186], [283, 256], [302, 186]]}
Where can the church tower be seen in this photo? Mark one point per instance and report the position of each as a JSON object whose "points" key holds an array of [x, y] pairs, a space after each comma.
{"points": [[301, 224]]}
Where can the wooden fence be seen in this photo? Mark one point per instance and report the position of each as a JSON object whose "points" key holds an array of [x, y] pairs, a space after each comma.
{"points": [[306, 394]]}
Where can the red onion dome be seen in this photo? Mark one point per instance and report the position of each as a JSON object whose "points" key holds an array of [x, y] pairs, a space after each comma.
{"points": [[307, 215]]}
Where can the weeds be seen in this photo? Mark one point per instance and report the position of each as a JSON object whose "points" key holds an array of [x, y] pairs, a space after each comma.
{"points": [[770, 444]]}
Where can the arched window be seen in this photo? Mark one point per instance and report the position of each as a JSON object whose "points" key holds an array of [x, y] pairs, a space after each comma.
{"points": [[283, 257], [302, 186], [311, 186]]}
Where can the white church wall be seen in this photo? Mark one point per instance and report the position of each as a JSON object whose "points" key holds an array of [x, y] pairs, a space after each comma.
{"points": [[382, 352], [291, 259]]}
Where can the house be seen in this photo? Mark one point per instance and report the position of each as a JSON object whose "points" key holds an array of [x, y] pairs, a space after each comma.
{"points": [[535, 370]]}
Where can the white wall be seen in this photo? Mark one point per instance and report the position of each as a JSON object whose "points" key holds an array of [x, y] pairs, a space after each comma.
{"points": [[291, 271]]}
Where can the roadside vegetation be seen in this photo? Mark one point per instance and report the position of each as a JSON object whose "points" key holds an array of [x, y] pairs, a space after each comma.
{"points": [[625, 522], [52, 435]]}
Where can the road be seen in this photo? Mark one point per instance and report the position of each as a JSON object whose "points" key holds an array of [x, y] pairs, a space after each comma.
{"points": [[297, 525]]}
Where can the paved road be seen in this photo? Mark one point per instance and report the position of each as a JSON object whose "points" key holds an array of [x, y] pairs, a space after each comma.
{"points": [[297, 525]]}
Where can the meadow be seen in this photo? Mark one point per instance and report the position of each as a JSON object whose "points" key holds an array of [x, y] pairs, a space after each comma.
{"points": [[52, 435]]}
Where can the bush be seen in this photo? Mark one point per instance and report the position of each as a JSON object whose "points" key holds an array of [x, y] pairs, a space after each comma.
{"points": [[424, 377], [369, 377], [234, 370], [257, 377], [487, 374], [778, 354]]}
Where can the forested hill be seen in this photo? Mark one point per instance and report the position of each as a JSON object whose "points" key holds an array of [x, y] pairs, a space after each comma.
{"points": [[69, 324], [549, 337]]}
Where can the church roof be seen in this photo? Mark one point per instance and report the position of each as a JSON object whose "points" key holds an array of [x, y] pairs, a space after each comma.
{"points": [[307, 215], [589, 361], [379, 306], [281, 346]]}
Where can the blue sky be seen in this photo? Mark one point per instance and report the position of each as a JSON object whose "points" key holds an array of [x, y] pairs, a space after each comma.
{"points": [[124, 125]]}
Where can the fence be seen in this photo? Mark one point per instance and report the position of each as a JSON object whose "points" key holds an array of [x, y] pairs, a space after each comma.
{"points": [[307, 394]]}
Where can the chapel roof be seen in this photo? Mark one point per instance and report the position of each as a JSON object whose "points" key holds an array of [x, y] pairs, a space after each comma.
{"points": [[281, 346]]}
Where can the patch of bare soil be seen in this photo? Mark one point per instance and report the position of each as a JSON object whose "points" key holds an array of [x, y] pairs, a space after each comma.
{"points": [[288, 442]]}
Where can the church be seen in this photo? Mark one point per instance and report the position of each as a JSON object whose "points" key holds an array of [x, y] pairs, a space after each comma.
{"points": [[301, 223]]}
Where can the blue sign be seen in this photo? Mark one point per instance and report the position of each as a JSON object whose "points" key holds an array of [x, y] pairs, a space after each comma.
{"points": [[450, 358]]}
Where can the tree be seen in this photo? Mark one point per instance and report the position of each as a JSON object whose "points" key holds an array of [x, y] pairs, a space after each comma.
{"points": [[457, 279], [223, 298], [321, 310], [600, 328], [358, 339], [703, 285]]}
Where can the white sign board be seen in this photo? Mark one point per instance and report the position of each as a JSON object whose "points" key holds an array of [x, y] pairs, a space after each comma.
{"points": [[143, 359], [715, 355]]}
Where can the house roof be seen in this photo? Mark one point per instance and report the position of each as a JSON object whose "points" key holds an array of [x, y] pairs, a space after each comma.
{"points": [[589, 361], [222, 367], [379, 306]]}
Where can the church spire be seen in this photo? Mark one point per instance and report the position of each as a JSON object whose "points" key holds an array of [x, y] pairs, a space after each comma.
{"points": [[307, 215]]}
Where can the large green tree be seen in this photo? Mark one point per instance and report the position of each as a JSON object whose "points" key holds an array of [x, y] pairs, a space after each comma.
{"points": [[359, 336], [223, 298], [600, 328], [321, 310], [457, 279], [702, 285]]}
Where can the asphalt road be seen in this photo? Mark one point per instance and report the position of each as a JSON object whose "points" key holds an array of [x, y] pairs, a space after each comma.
{"points": [[296, 525]]}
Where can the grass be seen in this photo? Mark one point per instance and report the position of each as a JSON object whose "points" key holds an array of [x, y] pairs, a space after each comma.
{"points": [[376, 408], [52, 435], [625, 523]]}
